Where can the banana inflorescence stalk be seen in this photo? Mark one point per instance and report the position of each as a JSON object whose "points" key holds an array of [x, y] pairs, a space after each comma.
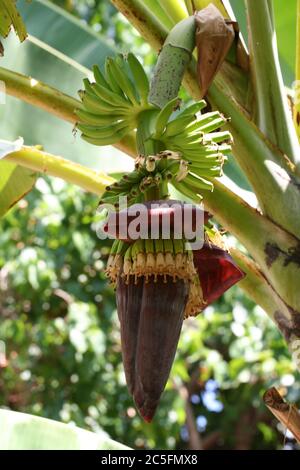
{"points": [[159, 280]]}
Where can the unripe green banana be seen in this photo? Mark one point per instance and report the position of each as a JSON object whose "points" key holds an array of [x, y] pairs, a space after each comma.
{"points": [[137, 247], [159, 245], [140, 77], [168, 245], [178, 246], [178, 125], [99, 77], [149, 245], [210, 125], [110, 97], [191, 194], [158, 179], [206, 163], [164, 116], [125, 83], [133, 177], [194, 108], [183, 140], [10, 16], [224, 149], [115, 137], [97, 119], [93, 104], [104, 131], [198, 182], [204, 119], [134, 191], [206, 172], [115, 247], [105, 199], [217, 137], [111, 77], [88, 87]]}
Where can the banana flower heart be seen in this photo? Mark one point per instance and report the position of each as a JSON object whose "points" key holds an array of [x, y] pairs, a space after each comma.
{"points": [[152, 306]]}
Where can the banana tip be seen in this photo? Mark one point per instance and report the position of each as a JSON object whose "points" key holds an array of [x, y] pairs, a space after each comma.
{"points": [[148, 419], [146, 410]]}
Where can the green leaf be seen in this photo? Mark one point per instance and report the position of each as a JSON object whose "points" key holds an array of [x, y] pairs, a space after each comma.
{"points": [[20, 431], [15, 182], [11, 17], [62, 31]]}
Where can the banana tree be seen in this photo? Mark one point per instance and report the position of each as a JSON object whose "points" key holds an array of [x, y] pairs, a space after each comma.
{"points": [[180, 145]]}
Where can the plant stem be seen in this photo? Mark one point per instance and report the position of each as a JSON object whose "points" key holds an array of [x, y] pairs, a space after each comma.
{"points": [[256, 285], [39, 94], [273, 115], [200, 4], [297, 82], [157, 9], [286, 413], [271, 12], [53, 101], [42, 162], [176, 10], [154, 32]]}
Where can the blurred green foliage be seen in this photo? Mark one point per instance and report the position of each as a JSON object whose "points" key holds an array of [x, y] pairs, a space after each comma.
{"points": [[62, 357], [104, 18]]}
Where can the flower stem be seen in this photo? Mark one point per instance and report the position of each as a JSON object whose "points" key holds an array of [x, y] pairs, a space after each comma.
{"points": [[42, 162], [256, 285], [39, 94]]}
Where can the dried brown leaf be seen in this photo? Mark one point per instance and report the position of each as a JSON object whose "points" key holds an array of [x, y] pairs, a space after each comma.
{"points": [[214, 37]]}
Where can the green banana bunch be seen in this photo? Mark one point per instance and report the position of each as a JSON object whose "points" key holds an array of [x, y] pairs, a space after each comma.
{"points": [[116, 103], [154, 171], [113, 102], [9, 16], [197, 139]]}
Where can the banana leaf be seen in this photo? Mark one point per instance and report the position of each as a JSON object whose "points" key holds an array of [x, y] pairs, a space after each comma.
{"points": [[15, 181], [20, 431]]}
